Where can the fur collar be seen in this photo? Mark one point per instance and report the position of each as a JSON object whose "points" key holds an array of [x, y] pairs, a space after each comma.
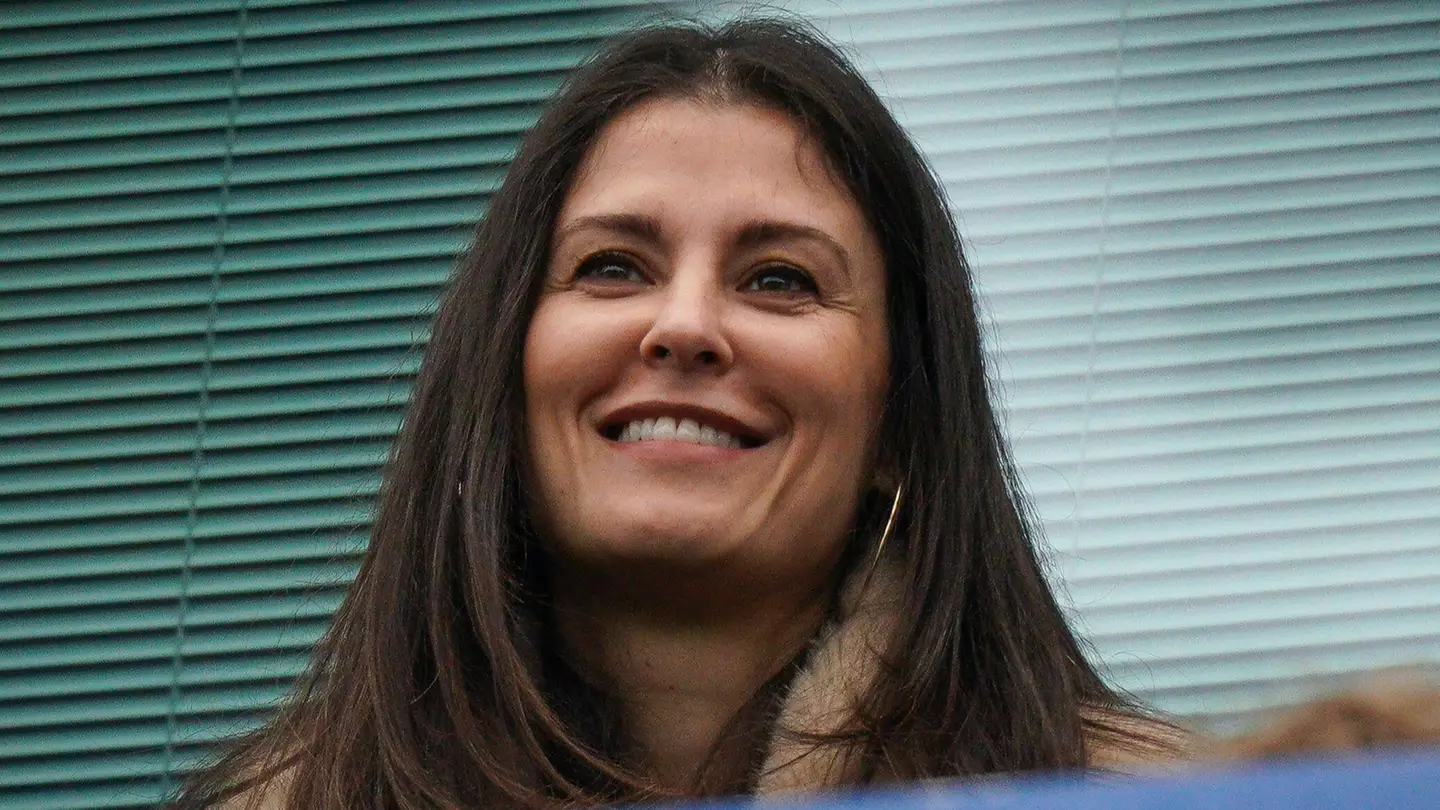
{"points": [[822, 698], [844, 663]]}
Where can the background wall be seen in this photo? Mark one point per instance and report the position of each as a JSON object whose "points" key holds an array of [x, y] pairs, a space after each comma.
{"points": [[1207, 234], [223, 227]]}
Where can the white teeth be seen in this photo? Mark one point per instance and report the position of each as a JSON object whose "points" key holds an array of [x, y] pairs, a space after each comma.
{"points": [[684, 430]]}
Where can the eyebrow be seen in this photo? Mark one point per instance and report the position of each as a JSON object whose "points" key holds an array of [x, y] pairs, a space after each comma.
{"points": [[755, 234], [759, 234], [635, 225]]}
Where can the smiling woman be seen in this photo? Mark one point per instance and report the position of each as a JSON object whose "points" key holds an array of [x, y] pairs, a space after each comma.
{"points": [[709, 279], [700, 490], [733, 307]]}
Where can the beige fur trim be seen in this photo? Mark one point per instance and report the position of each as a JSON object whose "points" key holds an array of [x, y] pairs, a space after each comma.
{"points": [[824, 695]]}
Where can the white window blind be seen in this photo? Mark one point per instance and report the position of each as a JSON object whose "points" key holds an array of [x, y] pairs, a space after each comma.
{"points": [[1208, 237]]}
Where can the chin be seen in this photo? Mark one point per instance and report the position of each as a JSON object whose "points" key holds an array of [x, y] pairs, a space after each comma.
{"points": [[676, 539]]}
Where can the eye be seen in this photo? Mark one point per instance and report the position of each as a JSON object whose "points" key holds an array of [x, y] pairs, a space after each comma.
{"points": [[610, 268], [782, 279]]}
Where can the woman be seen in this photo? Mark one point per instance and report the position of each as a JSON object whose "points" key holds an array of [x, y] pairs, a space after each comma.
{"points": [[700, 489]]}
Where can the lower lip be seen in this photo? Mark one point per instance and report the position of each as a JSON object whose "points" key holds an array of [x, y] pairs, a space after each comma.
{"points": [[668, 450]]}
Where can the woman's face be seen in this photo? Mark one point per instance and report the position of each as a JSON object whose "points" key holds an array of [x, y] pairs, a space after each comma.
{"points": [[705, 369]]}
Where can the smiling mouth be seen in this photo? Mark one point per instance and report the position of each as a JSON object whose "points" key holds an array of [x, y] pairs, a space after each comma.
{"points": [[666, 428]]}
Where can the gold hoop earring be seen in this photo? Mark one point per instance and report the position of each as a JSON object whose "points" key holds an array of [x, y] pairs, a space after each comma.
{"points": [[884, 536], [889, 525]]}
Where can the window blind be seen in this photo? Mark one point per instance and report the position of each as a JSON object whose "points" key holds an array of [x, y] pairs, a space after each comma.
{"points": [[223, 228], [1207, 236]]}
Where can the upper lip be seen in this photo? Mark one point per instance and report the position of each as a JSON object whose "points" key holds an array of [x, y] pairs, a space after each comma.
{"points": [[735, 426]]}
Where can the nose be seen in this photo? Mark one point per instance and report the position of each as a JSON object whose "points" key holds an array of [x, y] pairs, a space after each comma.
{"points": [[688, 332]]}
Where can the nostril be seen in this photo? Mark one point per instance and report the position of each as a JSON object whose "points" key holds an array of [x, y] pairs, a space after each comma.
{"points": [[708, 358], [661, 352]]}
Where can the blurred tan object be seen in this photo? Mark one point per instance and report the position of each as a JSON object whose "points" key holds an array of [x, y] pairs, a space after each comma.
{"points": [[1392, 708]]}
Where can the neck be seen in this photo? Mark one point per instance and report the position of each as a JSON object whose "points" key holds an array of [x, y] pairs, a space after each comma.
{"points": [[680, 676]]}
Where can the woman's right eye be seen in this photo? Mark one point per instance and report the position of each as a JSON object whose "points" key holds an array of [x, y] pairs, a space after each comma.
{"points": [[610, 268]]}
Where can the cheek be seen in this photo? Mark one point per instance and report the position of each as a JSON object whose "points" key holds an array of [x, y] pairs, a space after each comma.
{"points": [[835, 383], [542, 366], [573, 352], [549, 370], [552, 377], [840, 379], [561, 356]]}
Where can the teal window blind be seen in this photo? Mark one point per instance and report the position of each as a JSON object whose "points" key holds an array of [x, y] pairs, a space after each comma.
{"points": [[1208, 237], [223, 228]]}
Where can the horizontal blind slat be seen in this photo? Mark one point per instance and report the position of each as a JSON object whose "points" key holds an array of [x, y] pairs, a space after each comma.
{"points": [[1207, 240], [194, 430]]}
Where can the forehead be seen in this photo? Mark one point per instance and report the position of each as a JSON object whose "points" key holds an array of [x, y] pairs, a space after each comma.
{"points": [[707, 158]]}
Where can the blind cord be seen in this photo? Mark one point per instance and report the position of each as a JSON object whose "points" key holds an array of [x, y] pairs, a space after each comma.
{"points": [[197, 457], [1091, 349]]}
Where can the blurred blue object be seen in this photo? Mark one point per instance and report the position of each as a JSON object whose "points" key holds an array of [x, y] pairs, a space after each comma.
{"points": [[1407, 780]]}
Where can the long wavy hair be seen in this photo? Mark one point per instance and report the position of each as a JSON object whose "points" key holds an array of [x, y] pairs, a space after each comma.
{"points": [[436, 686]]}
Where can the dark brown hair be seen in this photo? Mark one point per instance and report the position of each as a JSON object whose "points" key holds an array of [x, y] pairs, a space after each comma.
{"points": [[434, 687]]}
